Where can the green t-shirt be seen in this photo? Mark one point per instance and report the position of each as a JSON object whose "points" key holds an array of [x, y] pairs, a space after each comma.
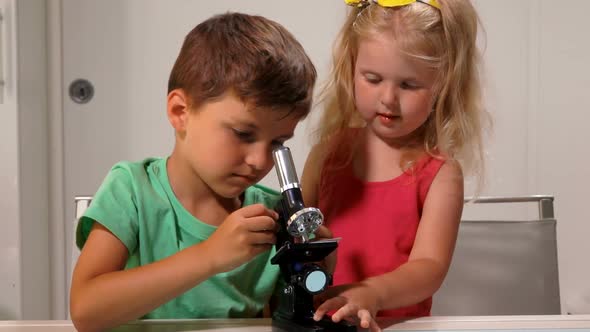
{"points": [[136, 203]]}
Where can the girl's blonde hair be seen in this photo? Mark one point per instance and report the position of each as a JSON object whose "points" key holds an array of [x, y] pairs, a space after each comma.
{"points": [[443, 39]]}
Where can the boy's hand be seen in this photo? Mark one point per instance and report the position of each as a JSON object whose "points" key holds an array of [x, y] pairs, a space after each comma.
{"points": [[329, 262], [354, 302], [243, 235]]}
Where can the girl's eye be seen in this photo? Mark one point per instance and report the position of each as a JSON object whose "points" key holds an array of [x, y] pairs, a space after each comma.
{"points": [[374, 79], [408, 86], [244, 135]]}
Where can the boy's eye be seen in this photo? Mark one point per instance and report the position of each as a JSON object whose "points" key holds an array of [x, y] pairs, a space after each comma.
{"points": [[278, 143], [244, 136]]}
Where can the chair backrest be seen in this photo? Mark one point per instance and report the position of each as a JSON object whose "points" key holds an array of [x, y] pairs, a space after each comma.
{"points": [[503, 267], [81, 204]]}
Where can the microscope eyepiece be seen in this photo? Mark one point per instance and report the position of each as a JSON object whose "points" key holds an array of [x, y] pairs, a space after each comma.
{"points": [[301, 221], [285, 168]]}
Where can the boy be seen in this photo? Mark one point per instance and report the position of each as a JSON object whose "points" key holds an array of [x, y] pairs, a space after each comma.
{"points": [[190, 236]]}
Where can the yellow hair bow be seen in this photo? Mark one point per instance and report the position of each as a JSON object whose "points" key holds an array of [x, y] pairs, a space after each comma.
{"points": [[391, 3]]}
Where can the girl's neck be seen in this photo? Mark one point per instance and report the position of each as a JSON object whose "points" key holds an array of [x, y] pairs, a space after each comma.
{"points": [[195, 195], [375, 159]]}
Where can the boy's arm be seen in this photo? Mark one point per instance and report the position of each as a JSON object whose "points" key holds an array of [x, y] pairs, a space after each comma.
{"points": [[103, 295], [102, 290]]}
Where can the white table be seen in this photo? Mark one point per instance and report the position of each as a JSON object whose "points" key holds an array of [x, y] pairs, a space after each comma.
{"points": [[575, 323]]}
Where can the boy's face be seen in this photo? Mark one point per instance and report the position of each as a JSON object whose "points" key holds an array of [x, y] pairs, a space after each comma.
{"points": [[228, 144]]}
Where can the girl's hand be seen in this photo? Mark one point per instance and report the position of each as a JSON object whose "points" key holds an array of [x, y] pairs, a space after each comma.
{"points": [[243, 235], [354, 302]]}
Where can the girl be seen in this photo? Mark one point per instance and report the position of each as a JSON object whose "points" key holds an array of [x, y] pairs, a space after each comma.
{"points": [[403, 115]]}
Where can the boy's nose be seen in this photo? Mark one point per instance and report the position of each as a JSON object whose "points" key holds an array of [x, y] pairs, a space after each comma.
{"points": [[259, 157]]}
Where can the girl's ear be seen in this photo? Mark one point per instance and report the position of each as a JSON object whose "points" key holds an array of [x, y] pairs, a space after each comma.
{"points": [[178, 109]]}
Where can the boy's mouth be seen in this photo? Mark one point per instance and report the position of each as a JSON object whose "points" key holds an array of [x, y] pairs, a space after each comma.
{"points": [[248, 177]]}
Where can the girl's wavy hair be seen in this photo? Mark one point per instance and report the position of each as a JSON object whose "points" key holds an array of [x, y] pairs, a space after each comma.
{"points": [[445, 40]]}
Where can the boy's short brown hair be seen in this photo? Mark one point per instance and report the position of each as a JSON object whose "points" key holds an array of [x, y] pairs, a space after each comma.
{"points": [[256, 58]]}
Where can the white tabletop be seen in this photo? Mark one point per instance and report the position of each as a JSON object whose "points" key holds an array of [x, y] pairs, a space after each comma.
{"points": [[579, 323]]}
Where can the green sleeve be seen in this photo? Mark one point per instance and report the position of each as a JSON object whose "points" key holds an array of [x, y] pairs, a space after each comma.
{"points": [[114, 206], [262, 194]]}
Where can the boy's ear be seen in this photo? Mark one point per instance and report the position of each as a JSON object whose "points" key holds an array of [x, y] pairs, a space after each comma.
{"points": [[178, 109]]}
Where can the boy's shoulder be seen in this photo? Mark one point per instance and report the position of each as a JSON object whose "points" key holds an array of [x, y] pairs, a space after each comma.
{"points": [[137, 167], [265, 190], [137, 170], [129, 177], [259, 193]]}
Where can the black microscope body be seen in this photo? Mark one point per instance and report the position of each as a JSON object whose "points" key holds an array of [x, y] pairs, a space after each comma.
{"points": [[297, 256]]}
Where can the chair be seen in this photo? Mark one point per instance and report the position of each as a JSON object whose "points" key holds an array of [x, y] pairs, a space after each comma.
{"points": [[499, 267], [81, 204], [503, 267]]}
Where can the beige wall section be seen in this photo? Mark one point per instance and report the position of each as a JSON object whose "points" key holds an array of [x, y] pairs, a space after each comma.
{"points": [[10, 251], [33, 159], [562, 137], [538, 77], [24, 255]]}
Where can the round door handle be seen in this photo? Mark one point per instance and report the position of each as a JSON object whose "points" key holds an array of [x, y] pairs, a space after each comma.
{"points": [[81, 91]]}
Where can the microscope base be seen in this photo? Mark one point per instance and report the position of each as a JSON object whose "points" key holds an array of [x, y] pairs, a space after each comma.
{"points": [[309, 325]]}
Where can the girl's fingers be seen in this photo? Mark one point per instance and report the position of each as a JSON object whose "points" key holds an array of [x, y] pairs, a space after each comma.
{"points": [[346, 311], [365, 318], [374, 327], [329, 305]]}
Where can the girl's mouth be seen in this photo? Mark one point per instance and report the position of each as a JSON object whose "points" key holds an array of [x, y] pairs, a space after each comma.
{"points": [[387, 118]]}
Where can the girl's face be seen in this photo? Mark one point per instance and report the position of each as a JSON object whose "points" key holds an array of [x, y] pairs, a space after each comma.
{"points": [[229, 145], [393, 92]]}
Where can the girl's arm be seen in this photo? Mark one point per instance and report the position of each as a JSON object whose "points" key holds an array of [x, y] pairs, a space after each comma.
{"points": [[426, 268], [103, 295], [310, 179], [310, 183], [433, 247]]}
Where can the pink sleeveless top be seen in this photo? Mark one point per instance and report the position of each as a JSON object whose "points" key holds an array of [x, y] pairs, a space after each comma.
{"points": [[377, 222]]}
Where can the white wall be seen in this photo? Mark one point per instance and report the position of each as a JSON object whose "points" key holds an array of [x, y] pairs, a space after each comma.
{"points": [[561, 135], [537, 79], [10, 304], [24, 242]]}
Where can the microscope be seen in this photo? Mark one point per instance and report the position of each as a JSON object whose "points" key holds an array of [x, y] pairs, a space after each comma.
{"points": [[297, 255]]}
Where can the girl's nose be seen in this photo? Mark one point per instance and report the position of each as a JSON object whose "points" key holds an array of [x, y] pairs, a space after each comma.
{"points": [[388, 96]]}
